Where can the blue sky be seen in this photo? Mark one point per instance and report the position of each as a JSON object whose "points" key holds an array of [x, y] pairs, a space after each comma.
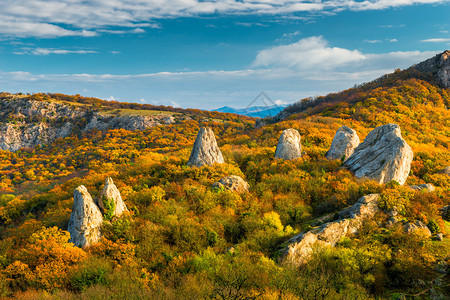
{"points": [[209, 54]]}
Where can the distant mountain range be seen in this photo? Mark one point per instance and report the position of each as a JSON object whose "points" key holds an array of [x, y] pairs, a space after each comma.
{"points": [[254, 111]]}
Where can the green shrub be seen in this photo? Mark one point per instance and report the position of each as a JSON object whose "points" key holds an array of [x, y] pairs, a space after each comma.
{"points": [[433, 226], [92, 272], [109, 206]]}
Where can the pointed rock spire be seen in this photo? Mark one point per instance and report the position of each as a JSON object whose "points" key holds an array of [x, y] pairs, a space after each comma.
{"points": [[383, 156], [85, 220], [111, 194], [289, 146], [344, 143], [205, 150]]}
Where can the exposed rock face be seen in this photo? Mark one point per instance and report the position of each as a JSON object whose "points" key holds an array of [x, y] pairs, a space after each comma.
{"points": [[350, 219], [445, 171], [205, 150], [344, 143], [233, 183], [27, 123], [428, 186], [383, 156], [416, 227], [439, 66], [289, 146], [110, 192], [85, 220]]}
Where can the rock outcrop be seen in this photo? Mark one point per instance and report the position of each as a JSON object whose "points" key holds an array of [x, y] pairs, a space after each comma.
{"points": [[28, 123], [344, 144], [439, 66], [417, 227], [428, 186], [205, 150], [110, 193], [233, 183], [383, 156], [446, 171], [289, 146], [300, 247], [85, 220]]}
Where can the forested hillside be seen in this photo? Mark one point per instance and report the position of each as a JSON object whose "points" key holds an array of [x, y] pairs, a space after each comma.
{"points": [[182, 238]]}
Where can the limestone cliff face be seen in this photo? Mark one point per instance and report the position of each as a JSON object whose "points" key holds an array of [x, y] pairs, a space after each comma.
{"points": [[28, 123]]}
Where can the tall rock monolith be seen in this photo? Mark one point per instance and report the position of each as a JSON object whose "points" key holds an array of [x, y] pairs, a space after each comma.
{"points": [[111, 194], [289, 146], [85, 220], [205, 150]]}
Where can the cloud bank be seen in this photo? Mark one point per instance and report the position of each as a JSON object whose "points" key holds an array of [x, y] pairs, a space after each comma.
{"points": [[59, 18]]}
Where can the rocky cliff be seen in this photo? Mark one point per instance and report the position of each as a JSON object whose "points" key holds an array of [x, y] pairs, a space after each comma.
{"points": [[439, 67], [27, 123]]}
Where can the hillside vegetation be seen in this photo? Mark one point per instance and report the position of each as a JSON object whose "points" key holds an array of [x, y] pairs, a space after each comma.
{"points": [[184, 239]]}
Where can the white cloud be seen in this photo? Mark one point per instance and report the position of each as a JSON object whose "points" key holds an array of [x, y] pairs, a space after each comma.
{"points": [[47, 51], [174, 104], [393, 40], [306, 55], [58, 18], [437, 40], [372, 41], [313, 58], [292, 34]]}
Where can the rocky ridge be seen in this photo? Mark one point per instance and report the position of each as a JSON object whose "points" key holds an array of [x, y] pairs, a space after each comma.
{"points": [[439, 66], [28, 123]]}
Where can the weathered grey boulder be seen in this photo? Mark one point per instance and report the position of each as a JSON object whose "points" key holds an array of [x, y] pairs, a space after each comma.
{"points": [[439, 237], [289, 146], [85, 220], [111, 193], [446, 171], [427, 186], [383, 156], [417, 227], [300, 247], [205, 150], [233, 183], [344, 143]]}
